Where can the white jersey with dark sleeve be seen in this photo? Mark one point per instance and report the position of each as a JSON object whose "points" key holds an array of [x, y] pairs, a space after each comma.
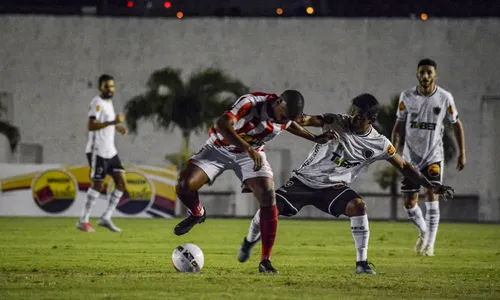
{"points": [[341, 161], [424, 118], [102, 142]]}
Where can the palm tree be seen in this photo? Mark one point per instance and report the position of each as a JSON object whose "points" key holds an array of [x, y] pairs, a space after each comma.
{"points": [[388, 177], [10, 131], [190, 106]]}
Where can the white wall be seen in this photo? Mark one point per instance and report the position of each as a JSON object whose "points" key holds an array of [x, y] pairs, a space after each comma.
{"points": [[48, 62]]}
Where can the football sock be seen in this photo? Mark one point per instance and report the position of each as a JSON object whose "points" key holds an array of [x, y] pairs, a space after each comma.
{"points": [[268, 228], [254, 230], [113, 202], [192, 202], [432, 219], [417, 218], [361, 235], [92, 196]]}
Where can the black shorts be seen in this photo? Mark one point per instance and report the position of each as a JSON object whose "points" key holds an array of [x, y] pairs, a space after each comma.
{"points": [[100, 167], [294, 195], [433, 172]]}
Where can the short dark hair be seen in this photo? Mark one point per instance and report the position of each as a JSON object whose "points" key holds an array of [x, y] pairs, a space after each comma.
{"points": [[427, 62], [367, 103], [104, 78], [294, 103]]}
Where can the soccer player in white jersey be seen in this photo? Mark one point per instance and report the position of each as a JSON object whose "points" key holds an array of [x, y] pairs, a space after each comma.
{"points": [[420, 120], [102, 154], [322, 180]]}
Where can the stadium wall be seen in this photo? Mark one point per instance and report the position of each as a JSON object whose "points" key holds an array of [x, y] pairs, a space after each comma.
{"points": [[50, 65]]}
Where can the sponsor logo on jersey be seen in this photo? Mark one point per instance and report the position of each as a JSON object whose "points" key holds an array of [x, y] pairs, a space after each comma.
{"points": [[422, 125], [437, 110], [450, 109], [401, 106], [391, 150], [54, 191], [341, 162], [248, 138], [137, 196], [434, 170]]}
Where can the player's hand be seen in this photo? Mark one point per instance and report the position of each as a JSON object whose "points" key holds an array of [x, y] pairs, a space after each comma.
{"points": [[121, 129], [257, 159], [327, 136], [119, 118], [461, 162], [444, 190]]}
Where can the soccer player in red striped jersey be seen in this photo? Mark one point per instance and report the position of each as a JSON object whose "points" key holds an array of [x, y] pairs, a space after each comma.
{"points": [[236, 142]]}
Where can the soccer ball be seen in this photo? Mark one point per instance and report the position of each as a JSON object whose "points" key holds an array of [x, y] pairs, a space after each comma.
{"points": [[188, 258]]}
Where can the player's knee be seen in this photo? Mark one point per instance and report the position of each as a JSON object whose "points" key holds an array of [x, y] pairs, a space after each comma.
{"points": [[356, 207], [411, 200], [120, 183], [265, 196], [430, 196], [97, 185]]}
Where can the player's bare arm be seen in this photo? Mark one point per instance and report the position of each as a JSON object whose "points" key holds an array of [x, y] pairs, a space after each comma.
{"points": [[310, 120], [459, 135], [409, 171], [397, 134], [94, 125], [300, 131], [224, 126], [121, 129]]}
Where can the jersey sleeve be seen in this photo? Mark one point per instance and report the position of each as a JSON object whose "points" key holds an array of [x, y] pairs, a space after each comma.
{"points": [[389, 150], [451, 110], [241, 108], [402, 111], [95, 110]]}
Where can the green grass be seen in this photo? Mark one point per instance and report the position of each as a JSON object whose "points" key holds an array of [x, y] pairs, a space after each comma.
{"points": [[50, 259]]}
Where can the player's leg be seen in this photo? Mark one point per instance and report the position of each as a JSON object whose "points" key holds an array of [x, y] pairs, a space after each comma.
{"points": [[203, 168], [117, 171], [432, 216], [410, 192], [97, 175]]}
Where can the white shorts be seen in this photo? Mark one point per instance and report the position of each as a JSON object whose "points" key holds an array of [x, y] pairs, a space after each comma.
{"points": [[214, 160]]}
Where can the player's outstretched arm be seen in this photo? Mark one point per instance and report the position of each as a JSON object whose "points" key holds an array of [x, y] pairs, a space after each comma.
{"points": [[94, 125], [414, 175], [459, 135], [397, 135], [323, 138], [310, 120]]}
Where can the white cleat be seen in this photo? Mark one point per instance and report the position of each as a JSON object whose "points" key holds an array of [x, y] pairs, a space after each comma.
{"points": [[106, 223], [420, 245], [428, 251]]}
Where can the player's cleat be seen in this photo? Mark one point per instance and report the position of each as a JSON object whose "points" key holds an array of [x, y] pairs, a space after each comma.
{"points": [[106, 223], [246, 250], [185, 225], [85, 227], [363, 267], [428, 251], [420, 245], [266, 267]]}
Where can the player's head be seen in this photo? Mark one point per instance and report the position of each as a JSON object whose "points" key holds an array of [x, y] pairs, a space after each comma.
{"points": [[364, 112], [426, 72], [106, 86], [289, 106]]}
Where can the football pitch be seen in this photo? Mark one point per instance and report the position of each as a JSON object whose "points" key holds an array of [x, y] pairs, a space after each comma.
{"points": [[47, 258]]}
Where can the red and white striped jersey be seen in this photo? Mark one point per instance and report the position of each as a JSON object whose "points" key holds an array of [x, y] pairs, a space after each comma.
{"points": [[251, 122]]}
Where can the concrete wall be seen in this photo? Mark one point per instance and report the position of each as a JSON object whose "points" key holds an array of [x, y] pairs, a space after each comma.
{"points": [[50, 65]]}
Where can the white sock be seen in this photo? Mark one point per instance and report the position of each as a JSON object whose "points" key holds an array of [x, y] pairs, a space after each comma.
{"points": [[113, 202], [92, 196], [361, 235], [432, 219], [417, 218], [254, 230]]}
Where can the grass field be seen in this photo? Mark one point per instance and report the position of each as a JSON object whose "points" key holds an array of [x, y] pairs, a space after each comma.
{"points": [[50, 259]]}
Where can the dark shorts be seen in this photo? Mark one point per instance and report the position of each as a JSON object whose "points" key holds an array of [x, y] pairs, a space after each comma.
{"points": [[294, 195], [433, 172], [100, 167]]}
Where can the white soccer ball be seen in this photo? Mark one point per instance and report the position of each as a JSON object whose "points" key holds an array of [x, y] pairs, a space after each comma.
{"points": [[188, 258]]}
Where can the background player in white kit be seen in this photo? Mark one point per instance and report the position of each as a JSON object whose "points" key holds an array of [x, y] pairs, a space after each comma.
{"points": [[102, 154], [420, 120], [322, 179]]}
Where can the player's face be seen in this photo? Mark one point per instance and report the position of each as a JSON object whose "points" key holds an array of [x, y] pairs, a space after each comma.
{"points": [[360, 121], [107, 89], [279, 110], [426, 75]]}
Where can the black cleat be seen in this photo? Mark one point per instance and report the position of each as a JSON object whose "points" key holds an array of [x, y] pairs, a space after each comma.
{"points": [[266, 267], [185, 225], [246, 250], [363, 267]]}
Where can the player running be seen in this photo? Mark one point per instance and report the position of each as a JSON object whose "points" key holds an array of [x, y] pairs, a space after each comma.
{"points": [[236, 142], [102, 154], [322, 179], [420, 119]]}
